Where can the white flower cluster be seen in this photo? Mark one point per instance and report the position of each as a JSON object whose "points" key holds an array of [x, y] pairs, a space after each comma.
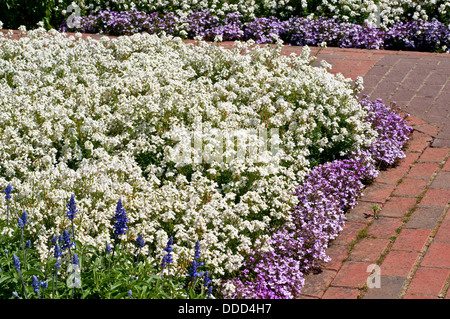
{"points": [[98, 119]]}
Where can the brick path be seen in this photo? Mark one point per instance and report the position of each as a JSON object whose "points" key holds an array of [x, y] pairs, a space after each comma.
{"points": [[409, 240]]}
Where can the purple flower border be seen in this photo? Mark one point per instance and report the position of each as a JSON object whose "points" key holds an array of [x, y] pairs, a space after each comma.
{"points": [[326, 194], [410, 35]]}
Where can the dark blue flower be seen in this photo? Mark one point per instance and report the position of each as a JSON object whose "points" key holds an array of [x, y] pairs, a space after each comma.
{"points": [[65, 240], [8, 191], [167, 258], [21, 221], [72, 208], [58, 264], [140, 241], [193, 270], [120, 226], [44, 284], [75, 260], [206, 279], [35, 283], [58, 252], [16, 262], [108, 248], [209, 292], [197, 250], [28, 244]]}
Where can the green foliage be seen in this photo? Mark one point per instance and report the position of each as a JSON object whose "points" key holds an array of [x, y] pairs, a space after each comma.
{"points": [[101, 274], [14, 13]]}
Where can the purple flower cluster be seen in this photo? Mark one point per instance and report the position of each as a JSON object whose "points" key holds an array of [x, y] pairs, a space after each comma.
{"points": [[392, 131], [303, 31], [126, 23], [204, 24], [418, 35], [326, 194], [411, 35]]}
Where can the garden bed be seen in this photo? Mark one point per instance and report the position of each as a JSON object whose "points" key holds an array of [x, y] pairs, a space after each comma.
{"points": [[103, 121]]}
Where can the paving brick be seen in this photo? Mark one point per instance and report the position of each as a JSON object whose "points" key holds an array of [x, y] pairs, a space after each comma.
{"points": [[444, 133], [423, 170], [435, 117], [352, 274], [428, 281], [410, 187], [315, 284], [337, 253], [380, 70], [418, 142], [349, 233], [390, 288], [446, 166], [377, 192], [436, 197], [435, 155], [443, 233], [437, 255], [410, 296], [440, 142], [411, 239], [388, 60], [429, 90], [447, 295], [421, 103], [403, 94], [436, 79], [424, 217], [341, 293], [362, 212], [384, 227], [409, 159], [413, 120], [397, 206], [399, 263], [441, 181], [428, 129], [391, 176], [368, 250]]}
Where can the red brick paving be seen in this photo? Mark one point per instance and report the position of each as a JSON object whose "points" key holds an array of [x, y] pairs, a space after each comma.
{"points": [[411, 241], [428, 281], [410, 187]]}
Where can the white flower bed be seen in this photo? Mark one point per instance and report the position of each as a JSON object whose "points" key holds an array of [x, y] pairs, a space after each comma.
{"points": [[99, 119]]}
